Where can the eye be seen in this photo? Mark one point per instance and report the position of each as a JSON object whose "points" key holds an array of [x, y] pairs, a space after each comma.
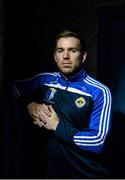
{"points": [[74, 50], [59, 50]]}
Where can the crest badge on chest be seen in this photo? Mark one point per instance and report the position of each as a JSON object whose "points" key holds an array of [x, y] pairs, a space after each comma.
{"points": [[80, 102]]}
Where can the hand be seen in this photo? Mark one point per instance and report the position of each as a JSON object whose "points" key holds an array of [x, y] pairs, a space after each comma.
{"points": [[35, 110], [51, 121]]}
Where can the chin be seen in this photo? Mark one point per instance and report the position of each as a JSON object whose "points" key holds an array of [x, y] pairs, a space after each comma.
{"points": [[70, 72], [66, 72]]}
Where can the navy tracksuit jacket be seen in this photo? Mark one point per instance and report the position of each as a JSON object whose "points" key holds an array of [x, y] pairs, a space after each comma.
{"points": [[83, 105]]}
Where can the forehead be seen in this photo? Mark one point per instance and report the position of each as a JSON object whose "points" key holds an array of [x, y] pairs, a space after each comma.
{"points": [[68, 42]]}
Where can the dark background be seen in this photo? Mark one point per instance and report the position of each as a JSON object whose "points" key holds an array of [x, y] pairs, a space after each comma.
{"points": [[30, 30]]}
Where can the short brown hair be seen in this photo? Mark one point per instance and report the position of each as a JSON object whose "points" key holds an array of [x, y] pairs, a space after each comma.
{"points": [[67, 33]]}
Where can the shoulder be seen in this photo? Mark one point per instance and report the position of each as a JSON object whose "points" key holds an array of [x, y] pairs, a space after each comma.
{"points": [[46, 74], [96, 86], [45, 77]]}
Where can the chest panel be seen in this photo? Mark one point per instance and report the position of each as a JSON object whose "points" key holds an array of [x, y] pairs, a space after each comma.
{"points": [[71, 107]]}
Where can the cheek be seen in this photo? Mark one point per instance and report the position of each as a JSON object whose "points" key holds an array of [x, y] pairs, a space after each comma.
{"points": [[77, 62], [58, 63], [55, 57]]}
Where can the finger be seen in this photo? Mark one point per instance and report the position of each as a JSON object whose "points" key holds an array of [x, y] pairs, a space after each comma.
{"points": [[39, 123], [40, 109], [38, 118], [35, 122], [51, 108], [35, 115], [46, 110], [38, 112], [43, 118], [42, 124]]}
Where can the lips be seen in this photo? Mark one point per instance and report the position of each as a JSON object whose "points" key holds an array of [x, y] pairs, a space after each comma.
{"points": [[66, 65]]}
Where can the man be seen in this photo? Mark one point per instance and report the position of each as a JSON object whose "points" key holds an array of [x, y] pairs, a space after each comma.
{"points": [[73, 107]]}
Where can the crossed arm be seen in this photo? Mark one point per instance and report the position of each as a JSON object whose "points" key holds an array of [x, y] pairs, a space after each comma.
{"points": [[43, 115]]}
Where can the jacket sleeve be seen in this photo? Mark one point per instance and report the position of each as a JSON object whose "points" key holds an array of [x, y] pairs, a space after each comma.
{"points": [[94, 139], [27, 90]]}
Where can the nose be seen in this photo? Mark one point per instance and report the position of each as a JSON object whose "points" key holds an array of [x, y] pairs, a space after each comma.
{"points": [[66, 55]]}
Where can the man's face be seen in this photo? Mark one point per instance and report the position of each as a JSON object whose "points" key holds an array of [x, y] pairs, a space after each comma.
{"points": [[68, 55]]}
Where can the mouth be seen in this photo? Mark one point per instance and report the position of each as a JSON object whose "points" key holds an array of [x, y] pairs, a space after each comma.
{"points": [[66, 65]]}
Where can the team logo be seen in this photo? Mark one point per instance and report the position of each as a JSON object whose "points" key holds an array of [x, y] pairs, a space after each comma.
{"points": [[51, 93], [80, 102]]}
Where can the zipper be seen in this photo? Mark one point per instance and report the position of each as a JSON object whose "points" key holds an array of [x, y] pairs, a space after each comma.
{"points": [[67, 83]]}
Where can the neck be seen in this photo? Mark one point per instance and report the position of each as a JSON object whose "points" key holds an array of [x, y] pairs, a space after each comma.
{"points": [[68, 75]]}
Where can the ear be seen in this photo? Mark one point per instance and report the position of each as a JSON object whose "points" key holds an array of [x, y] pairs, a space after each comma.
{"points": [[84, 56]]}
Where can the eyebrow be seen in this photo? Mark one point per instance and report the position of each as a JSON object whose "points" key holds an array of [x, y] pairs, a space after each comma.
{"points": [[70, 48]]}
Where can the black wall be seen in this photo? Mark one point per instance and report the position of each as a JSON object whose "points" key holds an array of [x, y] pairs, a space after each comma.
{"points": [[30, 30], [111, 71]]}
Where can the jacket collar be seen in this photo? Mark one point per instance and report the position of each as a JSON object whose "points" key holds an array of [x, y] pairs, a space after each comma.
{"points": [[79, 76]]}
